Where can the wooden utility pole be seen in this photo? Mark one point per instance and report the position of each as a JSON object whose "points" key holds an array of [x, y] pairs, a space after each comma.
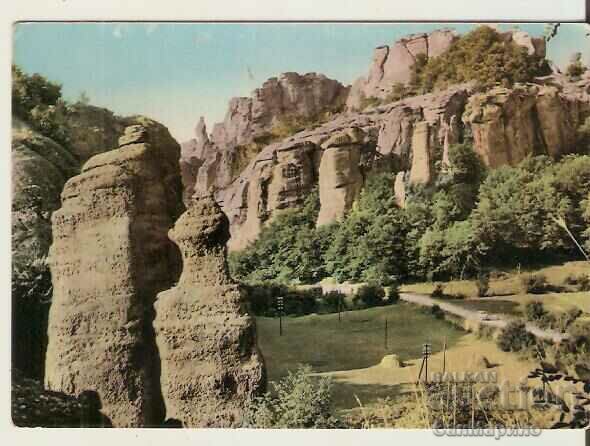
{"points": [[444, 356], [280, 308], [426, 351]]}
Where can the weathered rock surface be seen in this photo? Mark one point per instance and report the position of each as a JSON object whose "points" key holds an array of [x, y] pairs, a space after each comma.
{"points": [[219, 159], [337, 156], [393, 64], [40, 168], [504, 126], [510, 124], [340, 177], [109, 258], [207, 342], [94, 130]]}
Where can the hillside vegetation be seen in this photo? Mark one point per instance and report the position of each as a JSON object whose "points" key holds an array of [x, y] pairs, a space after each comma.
{"points": [[471, 220]]}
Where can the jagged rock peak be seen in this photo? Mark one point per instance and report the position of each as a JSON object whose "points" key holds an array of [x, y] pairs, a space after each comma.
{"points": [[210, 362], [393, 64], [218, 160], [201, 132]]}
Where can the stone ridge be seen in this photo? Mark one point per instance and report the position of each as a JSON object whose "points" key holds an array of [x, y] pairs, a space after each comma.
{"points": [[217, 160], [109, 258], [393, 64], [211, 366], [411, 137]]}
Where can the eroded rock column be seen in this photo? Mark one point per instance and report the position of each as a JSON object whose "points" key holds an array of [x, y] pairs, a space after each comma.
{"points": [[110, 257], [207, 342], [340, 177]]}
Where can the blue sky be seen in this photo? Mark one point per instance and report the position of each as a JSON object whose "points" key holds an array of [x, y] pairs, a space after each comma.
{"points": [[175, 72]]}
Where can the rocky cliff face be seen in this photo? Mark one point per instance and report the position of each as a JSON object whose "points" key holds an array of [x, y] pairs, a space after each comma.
{"points": [[109, 258], [40, 168], [392, 64], [207, 343], [413, 136], [217, 160]]}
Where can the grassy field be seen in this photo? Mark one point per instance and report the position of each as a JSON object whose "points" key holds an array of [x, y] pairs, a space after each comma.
{"points": [[506, 293], [351, 351], [355, 343]]}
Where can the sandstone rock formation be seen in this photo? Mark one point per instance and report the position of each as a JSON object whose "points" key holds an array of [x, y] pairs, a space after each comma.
{"points": [[40, 168], [207, 343], [109, 258], [254, 175], [337, 156], [393, 64], [249, 124], [340, 178], [93, 130], [504, 125], [510, 124]]}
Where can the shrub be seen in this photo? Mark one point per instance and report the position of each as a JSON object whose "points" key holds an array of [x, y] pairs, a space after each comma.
{"points": [[576, 68], [534, 311], [368, 296], [482, 56], [262, 298], [483, 284], [534, 283], [393, 293], [581, 281], [39, 102], [333, 301], [438, 291], [298, 401], [515, 338], [370, 101], [437, 312]]}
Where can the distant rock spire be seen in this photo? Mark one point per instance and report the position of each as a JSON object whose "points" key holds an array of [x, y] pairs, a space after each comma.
{"points": [[201, 132]]}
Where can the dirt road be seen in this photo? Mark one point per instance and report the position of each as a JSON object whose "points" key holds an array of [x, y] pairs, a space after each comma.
{"points": [[499, 321]]}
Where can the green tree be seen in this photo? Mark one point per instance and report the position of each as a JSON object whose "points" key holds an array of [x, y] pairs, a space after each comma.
{"points": [[483, 56], [515, 208], [288, 249], [38, 102], [369, 244], [576, 67]]}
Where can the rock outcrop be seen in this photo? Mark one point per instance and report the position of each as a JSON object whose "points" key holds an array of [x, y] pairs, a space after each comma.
{"points": [[109, 258], [510, 124], [340, 177], [94, 130], [337, 156], [207, 342], [40, 168], [249, 124], [255, 174], [393, 64], [504, 125]]}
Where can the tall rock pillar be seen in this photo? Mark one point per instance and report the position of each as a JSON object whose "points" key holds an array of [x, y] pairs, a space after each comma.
{"points": [[110, 257], [207, 342]]}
